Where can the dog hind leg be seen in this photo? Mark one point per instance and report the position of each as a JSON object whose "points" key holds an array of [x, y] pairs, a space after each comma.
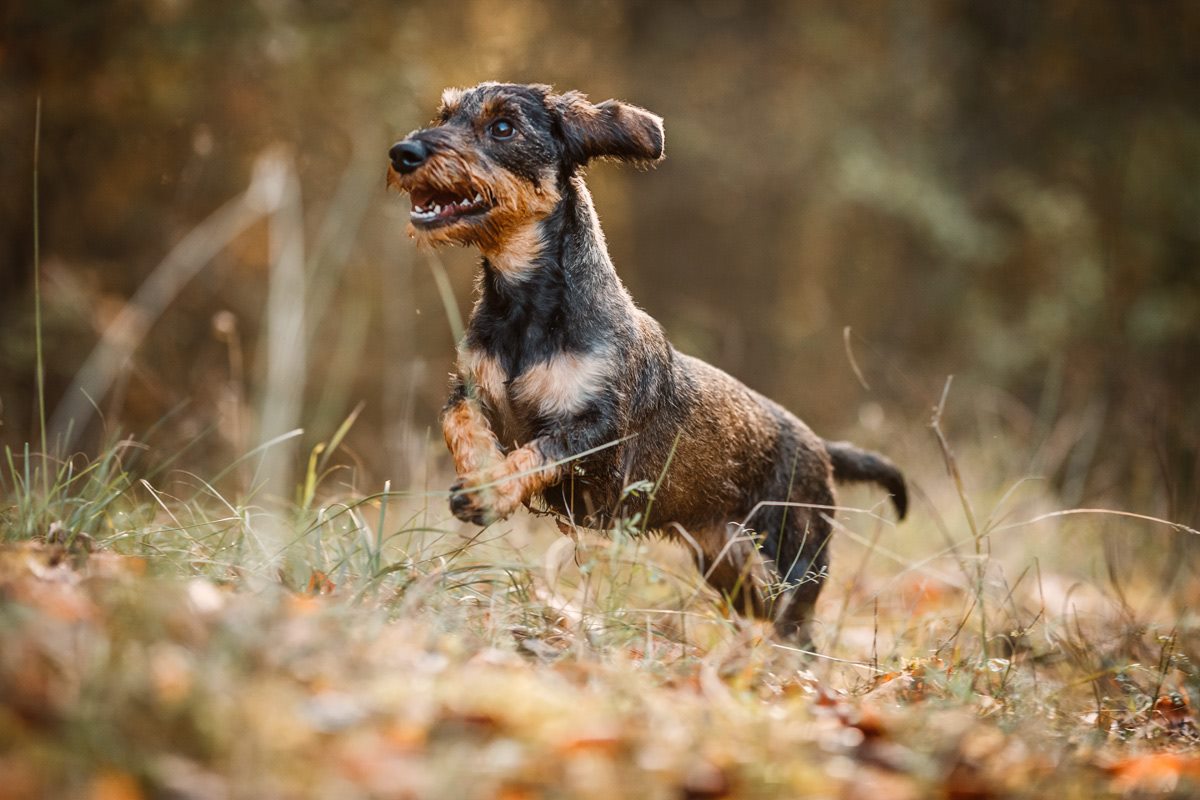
{"points": [[730, 562], [803, 566]]}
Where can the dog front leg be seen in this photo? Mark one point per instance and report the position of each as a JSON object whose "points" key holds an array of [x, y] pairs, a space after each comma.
{"points": [[494, 493], [491, 494], [469, 437]]}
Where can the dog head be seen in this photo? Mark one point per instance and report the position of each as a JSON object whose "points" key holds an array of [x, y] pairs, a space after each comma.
{"points": [[498, 156]]}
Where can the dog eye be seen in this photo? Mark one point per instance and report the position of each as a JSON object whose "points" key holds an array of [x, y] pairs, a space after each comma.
{"points": [[502, 129]]}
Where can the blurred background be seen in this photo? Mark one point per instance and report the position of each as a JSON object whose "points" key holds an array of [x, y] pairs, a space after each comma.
{"points": [[1008, 192]]}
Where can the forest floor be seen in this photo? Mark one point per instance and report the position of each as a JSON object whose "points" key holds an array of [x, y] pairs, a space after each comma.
{"points": [[160, 640]]}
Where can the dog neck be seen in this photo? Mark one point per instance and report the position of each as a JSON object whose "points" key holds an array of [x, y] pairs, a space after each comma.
{"points": [[548, 288], [568, 239]]}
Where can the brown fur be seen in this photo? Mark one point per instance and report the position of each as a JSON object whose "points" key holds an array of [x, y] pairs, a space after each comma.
{"points": [[558, 361], [495, 493], [514, 252], [517, 203], [469, 438]]}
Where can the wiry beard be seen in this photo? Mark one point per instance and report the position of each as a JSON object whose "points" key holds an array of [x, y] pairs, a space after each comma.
{"points": [[513, 201]]}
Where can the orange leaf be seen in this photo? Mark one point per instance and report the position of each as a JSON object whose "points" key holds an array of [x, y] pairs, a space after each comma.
{"points": [[406, 737], [1175, 711], [1155, 772], [114, 786], [606, 743], [319, 583]]}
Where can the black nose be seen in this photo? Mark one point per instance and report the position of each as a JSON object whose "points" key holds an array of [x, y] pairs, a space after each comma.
{"points": [[408, 155]]}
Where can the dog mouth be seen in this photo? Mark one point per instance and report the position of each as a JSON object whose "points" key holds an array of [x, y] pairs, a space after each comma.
{"points": [[434, 207]]}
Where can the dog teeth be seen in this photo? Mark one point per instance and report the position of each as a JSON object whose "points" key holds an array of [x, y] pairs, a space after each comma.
{"points": [[430, 210]]}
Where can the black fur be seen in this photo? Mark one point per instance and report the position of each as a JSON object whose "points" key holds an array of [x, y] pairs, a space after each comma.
{"points": [[854, 465], [726, 462]]}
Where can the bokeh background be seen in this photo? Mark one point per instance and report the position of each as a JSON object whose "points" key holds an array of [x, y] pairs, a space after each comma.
{"points": [[1007, 192]]}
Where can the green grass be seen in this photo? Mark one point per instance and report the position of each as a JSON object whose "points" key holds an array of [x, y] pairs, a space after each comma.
{"points": [[161, 636], [167, 631]]}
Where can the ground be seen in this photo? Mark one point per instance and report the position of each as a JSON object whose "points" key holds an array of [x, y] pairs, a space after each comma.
{"points": [[158, 639]]}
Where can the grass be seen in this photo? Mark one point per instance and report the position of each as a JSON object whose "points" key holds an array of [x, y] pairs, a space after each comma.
{"points": [[246, 633], [161, 638]]}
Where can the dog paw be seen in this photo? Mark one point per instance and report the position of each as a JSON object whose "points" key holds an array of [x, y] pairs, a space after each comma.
{"points": [[467, 505], [473, 500]]}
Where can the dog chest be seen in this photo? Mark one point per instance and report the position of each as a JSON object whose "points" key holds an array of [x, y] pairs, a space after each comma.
{"points": [[560, 386]]}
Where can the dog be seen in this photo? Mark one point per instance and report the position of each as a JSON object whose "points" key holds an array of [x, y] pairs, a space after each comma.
{"points": [[567, 394]]}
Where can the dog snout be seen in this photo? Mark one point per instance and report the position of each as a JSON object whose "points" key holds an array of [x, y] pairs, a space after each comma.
{"points": [[407, 155]]}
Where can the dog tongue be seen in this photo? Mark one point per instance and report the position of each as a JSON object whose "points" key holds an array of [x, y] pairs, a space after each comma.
{"points": [[423, 197]]}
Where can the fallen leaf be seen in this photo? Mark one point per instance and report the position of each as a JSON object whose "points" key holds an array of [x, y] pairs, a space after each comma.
{"points": [[302, 605], [114, 786], [600, 741], [1154, 772], [1174, 711], [406, 737], [319, 583], [923, 594]]}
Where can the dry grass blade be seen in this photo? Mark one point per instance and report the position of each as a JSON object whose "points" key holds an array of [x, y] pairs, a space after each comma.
{"points": [[1177, 526], [122, 338]]}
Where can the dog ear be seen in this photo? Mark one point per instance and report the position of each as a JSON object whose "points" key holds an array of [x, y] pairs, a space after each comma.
{"points": [[611, 129]]}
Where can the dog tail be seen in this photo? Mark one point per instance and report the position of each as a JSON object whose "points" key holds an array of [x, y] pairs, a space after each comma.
{"points": [[854, 465]]}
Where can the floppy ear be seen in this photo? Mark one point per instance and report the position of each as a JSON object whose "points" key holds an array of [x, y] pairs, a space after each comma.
{"points": [[611, 129]]}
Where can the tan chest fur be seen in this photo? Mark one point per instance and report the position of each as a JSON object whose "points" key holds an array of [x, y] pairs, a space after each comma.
{"points": [[489, 379], [564, 385]]}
